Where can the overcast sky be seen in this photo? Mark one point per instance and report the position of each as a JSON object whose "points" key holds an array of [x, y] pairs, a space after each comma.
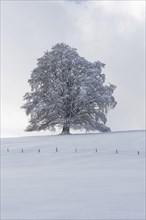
{"points": [[109, 31]]}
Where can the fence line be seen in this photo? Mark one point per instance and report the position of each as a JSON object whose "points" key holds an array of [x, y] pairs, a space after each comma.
{"points": [[71, 150]]}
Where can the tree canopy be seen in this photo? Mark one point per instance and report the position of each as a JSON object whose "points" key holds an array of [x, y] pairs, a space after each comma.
{"points": [[67, 91]]}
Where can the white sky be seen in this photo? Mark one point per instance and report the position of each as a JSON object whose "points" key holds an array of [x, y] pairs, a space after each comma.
{"points": [[110, 31]]}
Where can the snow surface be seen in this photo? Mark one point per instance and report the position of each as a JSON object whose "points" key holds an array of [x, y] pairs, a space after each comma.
{"points": [[74, 185]]}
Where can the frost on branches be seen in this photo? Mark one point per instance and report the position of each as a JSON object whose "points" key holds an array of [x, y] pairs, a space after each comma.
{"points": [[68, 91]]}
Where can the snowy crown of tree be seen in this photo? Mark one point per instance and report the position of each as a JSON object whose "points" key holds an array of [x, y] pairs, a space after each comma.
{"points": [[69, 92]]}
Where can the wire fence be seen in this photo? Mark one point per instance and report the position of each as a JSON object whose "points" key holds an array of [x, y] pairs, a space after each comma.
{"points": [[40, 150]]}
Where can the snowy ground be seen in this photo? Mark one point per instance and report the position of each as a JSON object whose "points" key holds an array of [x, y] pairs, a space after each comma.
{"points": [[68, 185]]}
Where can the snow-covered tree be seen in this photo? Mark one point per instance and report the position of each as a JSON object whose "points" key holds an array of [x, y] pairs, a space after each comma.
{"points": [[69, 92]]}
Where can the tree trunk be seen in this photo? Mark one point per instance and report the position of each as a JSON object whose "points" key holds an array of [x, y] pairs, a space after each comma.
{"points": [[65, 130]]}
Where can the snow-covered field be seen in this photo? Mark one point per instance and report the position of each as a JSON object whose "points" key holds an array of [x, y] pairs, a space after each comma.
{"points": [[74, 185]]}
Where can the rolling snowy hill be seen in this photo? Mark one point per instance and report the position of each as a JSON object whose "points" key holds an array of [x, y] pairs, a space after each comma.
{"points": [[91, 182]]}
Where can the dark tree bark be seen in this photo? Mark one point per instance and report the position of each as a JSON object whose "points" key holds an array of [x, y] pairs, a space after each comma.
{"points": [[65, 130]]}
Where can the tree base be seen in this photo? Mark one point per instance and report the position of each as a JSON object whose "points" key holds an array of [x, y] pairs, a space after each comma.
{"points": [[65, 130], [65, 133]]}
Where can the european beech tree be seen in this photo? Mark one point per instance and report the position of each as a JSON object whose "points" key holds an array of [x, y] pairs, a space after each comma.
{"points": [[67, 91]]}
